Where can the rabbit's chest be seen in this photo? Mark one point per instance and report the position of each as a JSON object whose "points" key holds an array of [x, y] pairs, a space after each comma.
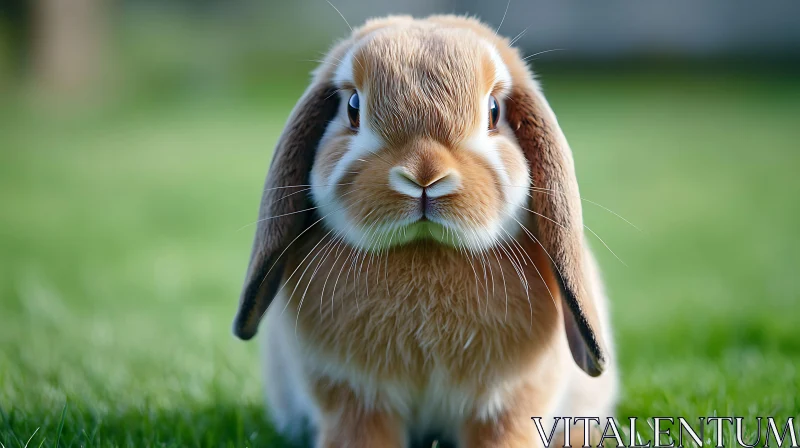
{"points": [[421, 315]]}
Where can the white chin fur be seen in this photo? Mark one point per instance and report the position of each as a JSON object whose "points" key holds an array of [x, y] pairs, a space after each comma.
{"points": [[377, 237]]}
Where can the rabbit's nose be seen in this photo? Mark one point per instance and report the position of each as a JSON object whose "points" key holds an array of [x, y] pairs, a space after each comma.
{"points": [[405, 182]]}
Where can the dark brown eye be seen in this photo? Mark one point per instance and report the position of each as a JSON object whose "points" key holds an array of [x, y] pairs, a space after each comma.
{"points": [[494, 113], [352, 110]]}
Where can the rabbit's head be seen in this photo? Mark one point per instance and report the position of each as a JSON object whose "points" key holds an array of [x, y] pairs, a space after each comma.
{"points": [[419, 147], [425, 129]]}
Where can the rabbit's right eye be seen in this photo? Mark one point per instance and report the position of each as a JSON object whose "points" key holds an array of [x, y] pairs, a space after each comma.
{"points": [[494, 113], [352, 110]]}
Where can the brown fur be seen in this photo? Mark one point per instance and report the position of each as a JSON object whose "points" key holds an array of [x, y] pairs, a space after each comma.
{"points": [[368, 332]]}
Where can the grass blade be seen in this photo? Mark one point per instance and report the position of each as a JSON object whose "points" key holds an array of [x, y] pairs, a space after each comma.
{"points": [[61, 424], [31, 437]]}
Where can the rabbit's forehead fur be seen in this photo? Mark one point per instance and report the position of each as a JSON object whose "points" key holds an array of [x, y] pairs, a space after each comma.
{"points": [[423, 80], [424, 88]]}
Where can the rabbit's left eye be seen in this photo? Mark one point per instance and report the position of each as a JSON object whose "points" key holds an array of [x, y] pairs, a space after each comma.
{"points": [[352, 110], [494, 113]]}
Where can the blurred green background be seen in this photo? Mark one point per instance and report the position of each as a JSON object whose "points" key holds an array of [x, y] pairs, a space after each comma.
{"points": [[134, 138]]}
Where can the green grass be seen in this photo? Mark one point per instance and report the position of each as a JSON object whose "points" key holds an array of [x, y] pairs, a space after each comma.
{"points": [[121, 255]]}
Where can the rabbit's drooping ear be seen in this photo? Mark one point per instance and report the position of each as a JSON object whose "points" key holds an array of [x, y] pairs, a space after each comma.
{"points": [[559, 222], [284, 215]]}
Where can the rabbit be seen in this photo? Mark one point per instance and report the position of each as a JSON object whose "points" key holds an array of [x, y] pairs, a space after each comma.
{"points": [[419, 259]]}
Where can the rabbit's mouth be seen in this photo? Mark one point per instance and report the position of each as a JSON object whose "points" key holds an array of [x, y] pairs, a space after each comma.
{"points": [[431, 228], [427, 229]]}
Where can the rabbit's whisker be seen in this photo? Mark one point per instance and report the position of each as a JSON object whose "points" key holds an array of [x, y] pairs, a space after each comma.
{"points": [[320, 61], [335, 91], [330, 246], [285, 187], [585, 226], [485, 255], [378, 254], [606, 245], [542, 52], [278, 216], [340, 14], [335, 58], [521, 273], [299, 265], [518, 36], [510, 254], [386, 243], [543, 216], [333, 294], [327, 248], [300, 279], [469, 259], [502, 277], [372, 247], [503, 19], [287, 248], [308, 185], [555, 266], [290, 213], [348, 25], [290, 194], [546, 190], [338, 246], [297, 238], [335, 247], [386, 264], [480, 254], [303, 274], [338, 63], [275, 202], [342, 248], [375, 153], [368, 252], [613, 213], [309, 189], [355, 255], [549, 191]]}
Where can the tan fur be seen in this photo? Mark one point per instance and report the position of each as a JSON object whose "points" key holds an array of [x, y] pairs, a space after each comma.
{"points": [[399, 320], [377, 334]]}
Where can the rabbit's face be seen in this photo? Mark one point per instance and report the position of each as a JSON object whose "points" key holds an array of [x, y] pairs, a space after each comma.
{"points": [[420, 148]]}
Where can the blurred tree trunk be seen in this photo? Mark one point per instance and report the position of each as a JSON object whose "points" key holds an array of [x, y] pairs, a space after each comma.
{"points": [[68, 36], [14, 37]]}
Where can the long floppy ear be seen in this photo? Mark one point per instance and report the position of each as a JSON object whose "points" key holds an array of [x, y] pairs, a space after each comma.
{"points": [[559, 222], [283, 215]]}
